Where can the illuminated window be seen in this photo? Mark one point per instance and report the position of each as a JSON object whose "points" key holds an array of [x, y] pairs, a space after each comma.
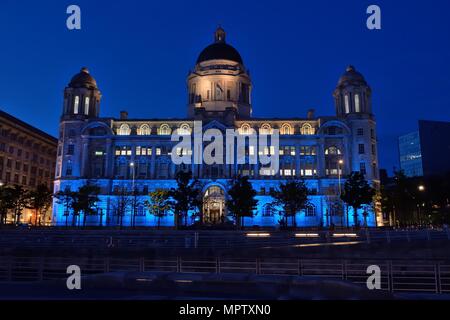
{"points": [[124, 130], [251, 150], [265, 129], [307, 129], [332, 151], [86, 106], [158, 151], [144, 130], [184, 130], [164, 129], [347, 104], [76, 105], [245, 129], [357, 106], [267, 211], [310, 211], [286, 129]]}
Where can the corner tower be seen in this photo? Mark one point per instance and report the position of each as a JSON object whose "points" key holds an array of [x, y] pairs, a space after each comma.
{"points": [[81, 104], [353, 102], [81, 97], [219, 86]]}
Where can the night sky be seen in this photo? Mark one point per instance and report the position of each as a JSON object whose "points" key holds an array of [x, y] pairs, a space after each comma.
{"points": [[140, 53]]}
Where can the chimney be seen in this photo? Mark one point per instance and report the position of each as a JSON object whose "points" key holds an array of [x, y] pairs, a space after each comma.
{"points": [[311, 113], [123, 115]]}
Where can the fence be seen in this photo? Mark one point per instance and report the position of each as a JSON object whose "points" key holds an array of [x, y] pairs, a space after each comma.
{"points": [[396, 276], [205, 239]]}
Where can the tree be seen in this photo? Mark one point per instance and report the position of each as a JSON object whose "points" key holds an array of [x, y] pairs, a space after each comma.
{"points": [[65, 198], [159, 204], [19, 200], [40, 201], [292, 196], [241, 201], [357, 192], [184, 197], [122, 202], [85, 201], [6, 202]]}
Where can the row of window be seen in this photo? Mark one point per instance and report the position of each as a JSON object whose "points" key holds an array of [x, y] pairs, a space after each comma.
{"points": [[77, 105], [14, 137], [357, 103], [185, 129]]}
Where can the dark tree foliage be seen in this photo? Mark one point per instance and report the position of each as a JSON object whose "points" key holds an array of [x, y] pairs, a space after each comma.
{"points": [[292, 196], [185, 197], [357, 192], [241, 199]]}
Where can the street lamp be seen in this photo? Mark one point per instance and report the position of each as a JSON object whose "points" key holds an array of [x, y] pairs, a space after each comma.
{"points": [[421, 188], [340, 163], [132, 174]]}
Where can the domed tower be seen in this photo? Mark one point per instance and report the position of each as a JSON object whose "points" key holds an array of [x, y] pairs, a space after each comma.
{"points": [[81, 104], [81, 97], [219, 86], [352, 94], [353, 100]]}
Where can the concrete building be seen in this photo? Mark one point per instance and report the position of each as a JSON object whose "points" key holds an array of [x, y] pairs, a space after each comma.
{"points": [[426, 152], [27, 155], [118, 153]]}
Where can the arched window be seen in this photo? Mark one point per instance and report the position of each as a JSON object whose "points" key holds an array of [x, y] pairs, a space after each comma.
{"points": [[267, 211], [124, 130], [144, 130], [332, 151], [164, 130], [357, 103], [86, 106], [76, 105], [310, 211], [184, 130], [286, 129], [307, 129], [347, 104], [219, 92], [245, 129], [265, 129]]}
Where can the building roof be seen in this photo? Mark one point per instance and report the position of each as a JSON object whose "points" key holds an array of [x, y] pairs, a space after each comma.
{"points": [[21, 123], [220, 50]]}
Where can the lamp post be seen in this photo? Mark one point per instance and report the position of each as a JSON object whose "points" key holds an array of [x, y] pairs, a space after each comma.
{"points": [[133, 193], [132, 175], [421, 188], [340, 163]]}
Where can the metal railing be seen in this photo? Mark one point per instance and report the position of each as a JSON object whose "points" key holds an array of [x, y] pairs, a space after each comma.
{"points": [[396, 275], [204, 239]]}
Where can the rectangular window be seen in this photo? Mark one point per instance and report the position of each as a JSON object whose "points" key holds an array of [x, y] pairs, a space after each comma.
{"points": [[76, 105], [360, 132], [86, 106], [347, 104], [158, 151], [361, 148], [357, 105], [362, 168], [71, 149], [373, 149]]}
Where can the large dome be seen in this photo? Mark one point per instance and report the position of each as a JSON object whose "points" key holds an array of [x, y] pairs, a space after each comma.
{"points": [[220, 50], [83, 80], [351, 77]]}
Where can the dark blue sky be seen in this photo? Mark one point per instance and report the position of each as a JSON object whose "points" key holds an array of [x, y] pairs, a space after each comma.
{"points": [[140, 53]]}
